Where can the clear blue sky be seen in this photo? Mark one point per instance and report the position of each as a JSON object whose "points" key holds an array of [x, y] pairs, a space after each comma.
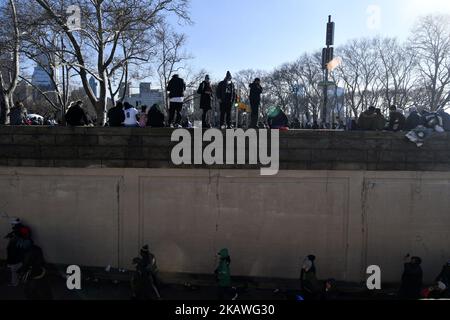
{"points": [[262, 34]]}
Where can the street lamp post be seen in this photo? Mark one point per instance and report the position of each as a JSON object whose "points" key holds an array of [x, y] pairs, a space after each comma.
{"points": [[327, 56]]}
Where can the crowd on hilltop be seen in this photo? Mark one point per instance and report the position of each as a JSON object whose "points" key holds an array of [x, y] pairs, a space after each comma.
{"points": [[123, 114]]}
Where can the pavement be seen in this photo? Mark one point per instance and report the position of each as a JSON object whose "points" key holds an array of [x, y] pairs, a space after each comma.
{"points": [[115, 285]]}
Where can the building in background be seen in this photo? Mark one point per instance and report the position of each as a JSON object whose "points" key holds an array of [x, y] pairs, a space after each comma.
{"points": [[41, 78], [145, 97]]}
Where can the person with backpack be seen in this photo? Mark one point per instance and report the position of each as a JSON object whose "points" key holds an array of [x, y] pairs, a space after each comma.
{"points": [[131, 116], [176, 89], [226, 93], [205, 91]]}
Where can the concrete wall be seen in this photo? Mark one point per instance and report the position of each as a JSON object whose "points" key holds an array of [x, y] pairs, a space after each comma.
{"points": [[349, 219]]}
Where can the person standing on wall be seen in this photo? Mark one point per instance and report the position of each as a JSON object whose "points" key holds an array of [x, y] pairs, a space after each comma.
{"points": [[205, 92], [255, 101], [176, 89], [226, 93]]}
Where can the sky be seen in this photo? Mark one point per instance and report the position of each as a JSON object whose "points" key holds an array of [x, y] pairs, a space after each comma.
{"points": [[263, 34]]}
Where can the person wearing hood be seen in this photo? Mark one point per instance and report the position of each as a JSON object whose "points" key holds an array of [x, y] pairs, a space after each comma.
{"points": [[223, 274], [155, 117], [412, 279], [367, 119], [414, 119], [310, 284], [226, 93], [255, 101], [445, 119], [205, 91], [176, 89]]}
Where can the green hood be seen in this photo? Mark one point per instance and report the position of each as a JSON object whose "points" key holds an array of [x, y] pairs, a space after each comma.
{"points": [[224, 253]]}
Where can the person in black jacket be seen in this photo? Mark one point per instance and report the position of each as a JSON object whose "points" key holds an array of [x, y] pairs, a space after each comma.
{"points": [[205, 92], [116, 115], [76, 116], [226, 93], [412, 279], [176, 89], [155, 117], [255, 101], [396, 120]]}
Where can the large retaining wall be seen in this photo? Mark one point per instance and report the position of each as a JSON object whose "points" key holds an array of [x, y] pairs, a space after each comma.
{"points": [[381, 201], [151, 148]]}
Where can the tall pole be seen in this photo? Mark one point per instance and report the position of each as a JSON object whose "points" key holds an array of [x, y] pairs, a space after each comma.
{"points": [[326, 58]]}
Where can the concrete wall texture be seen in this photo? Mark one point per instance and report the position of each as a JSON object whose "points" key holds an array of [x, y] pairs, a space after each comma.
{"points": [[93, 196], [349, 219]]}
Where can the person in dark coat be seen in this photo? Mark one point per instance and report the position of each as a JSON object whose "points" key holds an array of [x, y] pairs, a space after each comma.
{"points": [[310, 285], [396, 120], [18, 115], [255, 101], [444, 276], [367, 119], [226, 93], [116, 115], [380, 121], [412, 279], [144, 282], [76, 116], [205, 91], [176, 89], [414, 119], [35, 275], [15, 251], [155, 117]]}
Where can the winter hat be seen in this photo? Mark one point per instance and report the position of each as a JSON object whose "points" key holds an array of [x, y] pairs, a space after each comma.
{"points": [[207, 77], [145, 249], [228, 75]]}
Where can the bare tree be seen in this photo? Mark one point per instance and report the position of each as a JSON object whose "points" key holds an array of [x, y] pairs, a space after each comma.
{"points": [[431, 42], [171, 56], [104, 26], [9, 52], [397, 63]]}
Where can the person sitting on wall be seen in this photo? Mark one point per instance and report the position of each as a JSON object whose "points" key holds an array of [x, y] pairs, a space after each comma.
{"points": [[116, 116], [379, 121], [414, 119], [396, 120], [155, 117], [18, 115], [76, 116], [367, 119]]}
